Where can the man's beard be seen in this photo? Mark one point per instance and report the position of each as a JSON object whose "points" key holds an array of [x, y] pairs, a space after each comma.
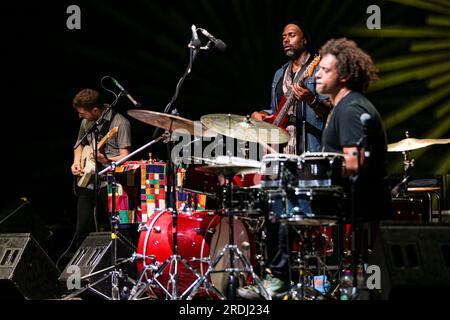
{"points": [[294, 54]]}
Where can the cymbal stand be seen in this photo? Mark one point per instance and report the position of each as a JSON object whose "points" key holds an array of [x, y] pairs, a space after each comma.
{"points": [[172, 261], [234, 254], [401, 189]]}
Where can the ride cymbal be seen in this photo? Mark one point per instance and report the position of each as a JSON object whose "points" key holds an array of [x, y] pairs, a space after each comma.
{"points": [[245, 128]]}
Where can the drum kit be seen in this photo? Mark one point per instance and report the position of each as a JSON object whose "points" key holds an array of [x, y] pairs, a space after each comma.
{"points": [[224, 247]]}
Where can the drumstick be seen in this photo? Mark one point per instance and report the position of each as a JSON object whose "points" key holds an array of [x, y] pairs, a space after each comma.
{"points": [[269, 148]]}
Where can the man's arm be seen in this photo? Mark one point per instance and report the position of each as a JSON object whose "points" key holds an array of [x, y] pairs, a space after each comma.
{"points": [[351, 160], [76, 165], [103, 159]]}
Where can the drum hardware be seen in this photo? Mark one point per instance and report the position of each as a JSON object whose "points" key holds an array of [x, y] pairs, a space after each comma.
{"points": [[172, 124], [305, 288], [228, 170], [168, 122], [197, 248]]}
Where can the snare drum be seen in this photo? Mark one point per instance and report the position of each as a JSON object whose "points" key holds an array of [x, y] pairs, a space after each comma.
{"points": [[277, 169], [319, 169]]}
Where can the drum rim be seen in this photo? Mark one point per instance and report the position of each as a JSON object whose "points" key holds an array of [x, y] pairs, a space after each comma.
{"points": [[287, 156], [320, 155]]}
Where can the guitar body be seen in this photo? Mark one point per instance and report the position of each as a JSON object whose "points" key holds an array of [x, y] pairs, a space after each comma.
{"points": [[87, 160], [88, 166], [281, 118], [284, 122]]}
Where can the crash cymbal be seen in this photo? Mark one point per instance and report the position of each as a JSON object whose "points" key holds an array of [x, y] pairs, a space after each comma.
{"points": [[245, 128], [171, 122], [412, 144]]}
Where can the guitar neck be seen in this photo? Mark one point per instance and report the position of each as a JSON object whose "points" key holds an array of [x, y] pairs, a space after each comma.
{"points": [[290, 98]]}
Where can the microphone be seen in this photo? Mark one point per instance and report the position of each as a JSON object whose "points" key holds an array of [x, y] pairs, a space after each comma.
{"points": [[195, 41], [125, 92], [217, 42], [366, 119]]}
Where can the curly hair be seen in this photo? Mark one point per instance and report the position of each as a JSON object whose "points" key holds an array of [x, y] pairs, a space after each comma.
{"points": [[87, 99], [352, 63]]}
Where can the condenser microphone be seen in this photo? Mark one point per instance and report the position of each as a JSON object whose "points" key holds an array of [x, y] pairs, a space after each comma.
{"points": [[195, 41], [125, 92], [217, 42], [366, 119]]}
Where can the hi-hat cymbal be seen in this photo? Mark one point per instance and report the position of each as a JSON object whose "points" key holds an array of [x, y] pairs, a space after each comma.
{"points": [[245, 128], [227, 169], [227, 166], [171, 122], [412, 144]]}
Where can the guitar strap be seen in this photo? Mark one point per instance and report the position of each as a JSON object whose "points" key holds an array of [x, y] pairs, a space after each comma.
{"points": [[106, 126], [302, 141]]}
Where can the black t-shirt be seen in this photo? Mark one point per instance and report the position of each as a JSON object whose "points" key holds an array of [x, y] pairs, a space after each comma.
{"points": [[344, 129]]}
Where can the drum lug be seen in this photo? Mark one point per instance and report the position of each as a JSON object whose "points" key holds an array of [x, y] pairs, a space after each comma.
{"points": [[209, 230], [157, 229], [142, 227]]}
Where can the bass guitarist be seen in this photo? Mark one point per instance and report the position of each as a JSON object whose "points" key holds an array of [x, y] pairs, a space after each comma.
{"points": [[88, 104], [293, 92], [297, 47]]}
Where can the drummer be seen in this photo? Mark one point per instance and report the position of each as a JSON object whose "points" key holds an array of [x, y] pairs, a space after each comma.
{"points": [[345, 71]]}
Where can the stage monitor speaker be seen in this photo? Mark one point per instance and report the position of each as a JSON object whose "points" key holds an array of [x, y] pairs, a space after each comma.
{"points": [[94, 255], [414, 261], [19, 217], [26, 271]]}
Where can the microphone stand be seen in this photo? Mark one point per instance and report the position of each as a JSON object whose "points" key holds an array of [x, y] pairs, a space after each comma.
{"points": [[354, 226], [171, 198], [115, 274]]}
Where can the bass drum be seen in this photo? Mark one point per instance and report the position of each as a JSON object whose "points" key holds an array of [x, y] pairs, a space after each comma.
{"points": [[201, 237]]}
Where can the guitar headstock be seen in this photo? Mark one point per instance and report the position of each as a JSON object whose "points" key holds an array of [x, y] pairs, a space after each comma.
{"points": [[310, 68], [111, 133]]}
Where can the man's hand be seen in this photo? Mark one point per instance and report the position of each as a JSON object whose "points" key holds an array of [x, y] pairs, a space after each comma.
{"points": [[76, 169], [259, 115], [302, 94], [102, 158]]}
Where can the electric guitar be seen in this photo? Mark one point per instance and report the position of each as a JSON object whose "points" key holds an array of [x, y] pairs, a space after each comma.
{"points": [[279, 118], [88, 161]]}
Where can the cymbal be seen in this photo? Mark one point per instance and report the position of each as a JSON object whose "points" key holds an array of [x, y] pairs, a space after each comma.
{"points": [[230, 166], [226, 169], [412, 144], [171, 122], [245, 128]]}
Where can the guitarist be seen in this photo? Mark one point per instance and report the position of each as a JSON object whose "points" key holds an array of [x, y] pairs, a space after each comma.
{"points": [[88, 104], [297, 47]]}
